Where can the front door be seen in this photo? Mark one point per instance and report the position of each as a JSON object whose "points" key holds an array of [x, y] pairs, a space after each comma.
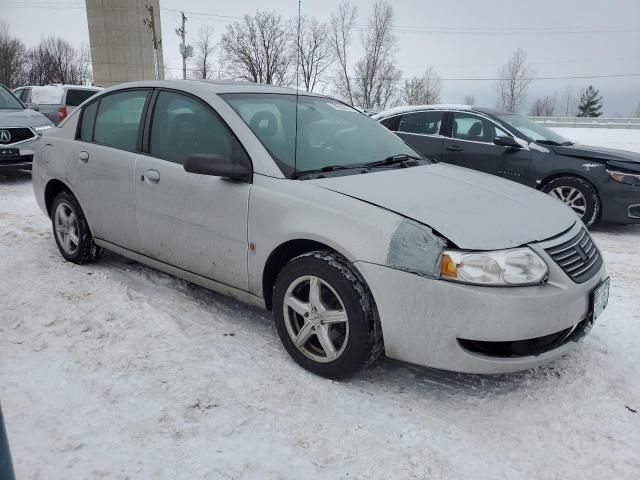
{"points": [[471, 145], [195, 222], [101, 166]]}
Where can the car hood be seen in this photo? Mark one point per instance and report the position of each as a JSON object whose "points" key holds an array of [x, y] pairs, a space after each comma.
{"points": [[22, 118], [474, 210], [611, 156]]}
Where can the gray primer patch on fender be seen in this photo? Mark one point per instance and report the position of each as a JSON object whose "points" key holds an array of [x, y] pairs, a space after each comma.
{"points": [[416, 249]]}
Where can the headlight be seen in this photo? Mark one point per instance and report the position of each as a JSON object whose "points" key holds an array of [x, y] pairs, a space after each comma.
{"points": [[41, 128], [520, 266], [621, 177]]}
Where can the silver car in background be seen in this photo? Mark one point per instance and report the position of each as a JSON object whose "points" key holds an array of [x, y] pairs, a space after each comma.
{"points": [[20, 129], [55, 101], [304, 205]]}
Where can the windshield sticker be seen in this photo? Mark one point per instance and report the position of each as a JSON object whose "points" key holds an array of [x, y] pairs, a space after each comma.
{"points": [[341, 107]]}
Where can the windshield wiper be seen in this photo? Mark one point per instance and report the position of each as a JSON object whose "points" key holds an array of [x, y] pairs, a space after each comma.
{"points": [[554, 143], [327, 168], [392, 160]]}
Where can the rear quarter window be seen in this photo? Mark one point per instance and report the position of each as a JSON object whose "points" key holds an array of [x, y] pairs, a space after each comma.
{"points": [[76, 96]]}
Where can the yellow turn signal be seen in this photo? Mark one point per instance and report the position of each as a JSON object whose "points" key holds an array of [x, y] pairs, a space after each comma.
{"points": [[448, 267]]}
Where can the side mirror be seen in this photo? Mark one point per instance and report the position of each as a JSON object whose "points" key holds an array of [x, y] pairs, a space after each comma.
{"points": [[217, 166], [33, 106], [507, 142]]}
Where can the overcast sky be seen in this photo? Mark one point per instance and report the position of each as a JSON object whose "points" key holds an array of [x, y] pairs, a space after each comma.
{"points": [[461, 39]]}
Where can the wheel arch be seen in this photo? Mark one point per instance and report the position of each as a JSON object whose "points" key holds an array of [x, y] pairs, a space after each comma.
{"points": [[561, 174], [51, 191], [565, 173], [283, 254]]}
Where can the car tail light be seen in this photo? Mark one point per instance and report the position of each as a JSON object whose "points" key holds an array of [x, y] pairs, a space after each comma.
{"points": [[62, 113]]}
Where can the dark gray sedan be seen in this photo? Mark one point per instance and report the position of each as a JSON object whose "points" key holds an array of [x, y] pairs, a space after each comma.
{"points": [[597, 183]]}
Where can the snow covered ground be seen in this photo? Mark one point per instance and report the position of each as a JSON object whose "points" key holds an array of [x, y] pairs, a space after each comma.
{"points": [[115, 371]]}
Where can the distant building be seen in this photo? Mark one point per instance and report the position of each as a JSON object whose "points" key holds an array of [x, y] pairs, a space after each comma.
{"points": [[121, 43]]}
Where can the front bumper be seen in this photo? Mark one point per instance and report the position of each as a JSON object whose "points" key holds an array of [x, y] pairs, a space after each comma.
{"points": [[423, 320], [620, 202], [25, 161]]}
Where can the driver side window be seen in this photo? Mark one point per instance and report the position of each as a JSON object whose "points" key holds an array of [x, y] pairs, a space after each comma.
{"points": [[467, 126], [183, 126]]}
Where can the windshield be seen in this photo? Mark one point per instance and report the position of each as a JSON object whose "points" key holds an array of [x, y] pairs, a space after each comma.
{"points": [[532, 130], [331, 135], [8, 101], [49, 95]]}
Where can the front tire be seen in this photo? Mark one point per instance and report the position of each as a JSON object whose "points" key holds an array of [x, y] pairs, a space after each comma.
{"points": [[325, 315], [71, 231], [577, 194]]}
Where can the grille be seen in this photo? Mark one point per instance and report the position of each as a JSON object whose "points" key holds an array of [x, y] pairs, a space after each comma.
{"points": [[634, 211], [579, 257], [16, 134]]}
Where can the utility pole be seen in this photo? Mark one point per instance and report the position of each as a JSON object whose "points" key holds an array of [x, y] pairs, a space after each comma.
{"points": [[150, 22], [183, 46]]}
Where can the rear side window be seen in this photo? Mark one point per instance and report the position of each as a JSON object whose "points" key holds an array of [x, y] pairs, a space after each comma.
{"points": [[183, 126], [391, 123], [118, 119], [424, 123], [76, 96], [88, 119]]}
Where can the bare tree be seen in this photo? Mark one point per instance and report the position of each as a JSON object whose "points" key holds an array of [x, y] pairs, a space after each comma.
{"points": [[513, 80], [12, 58], [55, 60], [469, 100], [376, 75], [341, 35], [569, 101], [636, 112], [422, 90], [257, 49], [314, 52], [203, 54], [543, 107]]}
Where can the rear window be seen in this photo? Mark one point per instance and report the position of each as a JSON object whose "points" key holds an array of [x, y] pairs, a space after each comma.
{"points": [[49, 95], [76, 96]]}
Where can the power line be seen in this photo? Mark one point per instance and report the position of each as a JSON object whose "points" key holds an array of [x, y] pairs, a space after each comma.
{"points": [[397, 28]]}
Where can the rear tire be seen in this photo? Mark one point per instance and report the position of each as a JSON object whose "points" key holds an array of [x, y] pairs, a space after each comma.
{"points": [[71, 231], [577, 194], [335, 331]]}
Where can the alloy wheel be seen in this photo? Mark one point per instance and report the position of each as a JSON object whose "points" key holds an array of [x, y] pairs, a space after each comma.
{"points": [[572, 197], [66, 226], [316, 319]]}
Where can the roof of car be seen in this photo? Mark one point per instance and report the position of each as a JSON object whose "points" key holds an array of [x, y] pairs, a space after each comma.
{"points": [[442, 106], [217, 86], [79, 87]]}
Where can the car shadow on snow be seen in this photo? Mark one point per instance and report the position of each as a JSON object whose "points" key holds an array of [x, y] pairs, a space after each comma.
{"points": [[15, 178]]}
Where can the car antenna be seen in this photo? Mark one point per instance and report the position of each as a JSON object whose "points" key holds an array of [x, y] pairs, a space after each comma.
{"points": [[295, 151]]}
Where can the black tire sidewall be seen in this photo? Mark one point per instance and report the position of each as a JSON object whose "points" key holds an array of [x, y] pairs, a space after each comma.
{"points": [[356, 300], [590, 194], [87, 250]]}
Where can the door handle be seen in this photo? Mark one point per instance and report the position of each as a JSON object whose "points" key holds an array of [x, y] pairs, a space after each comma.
{"points": [[454, 148], [83, 156], [150, 176]]}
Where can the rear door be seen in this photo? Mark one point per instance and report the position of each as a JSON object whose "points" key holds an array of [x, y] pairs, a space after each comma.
{"points": [[102, 165], [195, 222], [471, 145], [421, 130]]}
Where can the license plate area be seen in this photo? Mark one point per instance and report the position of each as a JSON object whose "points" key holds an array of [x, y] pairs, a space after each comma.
{"points": [[9, 154], [600, 298]]}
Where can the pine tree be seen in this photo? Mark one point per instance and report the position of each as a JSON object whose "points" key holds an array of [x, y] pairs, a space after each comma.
{"points": [[590, 102]]}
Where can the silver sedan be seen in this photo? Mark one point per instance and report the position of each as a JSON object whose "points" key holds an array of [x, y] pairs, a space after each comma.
{"points": [[303, 205]]}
